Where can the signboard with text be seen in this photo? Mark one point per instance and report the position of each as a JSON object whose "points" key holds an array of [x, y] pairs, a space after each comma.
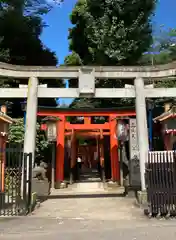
{"points": [[134, 163]]}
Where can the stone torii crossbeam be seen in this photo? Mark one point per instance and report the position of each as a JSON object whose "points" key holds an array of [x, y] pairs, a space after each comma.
{"points": [[86, 88]]}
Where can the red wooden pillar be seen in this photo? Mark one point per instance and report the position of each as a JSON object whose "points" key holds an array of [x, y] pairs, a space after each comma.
{"points": [[73, 155], [73, 149], [2, 161], [101, 150], [60, 151], [115, 170]]}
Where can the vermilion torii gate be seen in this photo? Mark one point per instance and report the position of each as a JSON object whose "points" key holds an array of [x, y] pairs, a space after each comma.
{"points": [[86, 75], [65, 128]]}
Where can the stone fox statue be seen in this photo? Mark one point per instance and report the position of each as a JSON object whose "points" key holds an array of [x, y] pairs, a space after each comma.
{"points": [[40, 171]]}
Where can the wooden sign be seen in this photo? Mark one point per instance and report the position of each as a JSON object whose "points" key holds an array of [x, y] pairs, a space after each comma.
{"points": [[134, 164]]}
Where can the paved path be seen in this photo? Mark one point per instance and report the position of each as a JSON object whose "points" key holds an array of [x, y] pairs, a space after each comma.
{"points": [[70, 229], [87, 218], [98, 208]]}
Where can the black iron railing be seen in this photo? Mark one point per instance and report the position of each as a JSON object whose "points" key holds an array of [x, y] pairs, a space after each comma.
{"points": [[161, 183], [15, 184]]}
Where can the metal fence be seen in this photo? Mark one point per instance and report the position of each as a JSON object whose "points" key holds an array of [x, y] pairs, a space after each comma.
{"points": [[161, 183], [15, 187]]}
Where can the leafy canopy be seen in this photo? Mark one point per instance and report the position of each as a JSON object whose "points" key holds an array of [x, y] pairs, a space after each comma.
{"points": [[21, 25], [109, 32]]}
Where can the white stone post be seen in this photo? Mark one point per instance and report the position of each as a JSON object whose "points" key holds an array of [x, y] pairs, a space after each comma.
{"points": [[142, 132], [31, 117], [31, 122]]}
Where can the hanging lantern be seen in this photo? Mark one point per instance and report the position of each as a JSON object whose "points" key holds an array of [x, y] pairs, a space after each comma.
{"points": [[51, 128], [122, 130]]}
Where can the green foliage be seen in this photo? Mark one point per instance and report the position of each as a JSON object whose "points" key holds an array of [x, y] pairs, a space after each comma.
{"points": [[16, 135], [162, 51], [20, 34], [73, 59], [109, 32], [82, 103], [166, 46], [28, 7], [41, 144], [21, 25], [16, 131]]}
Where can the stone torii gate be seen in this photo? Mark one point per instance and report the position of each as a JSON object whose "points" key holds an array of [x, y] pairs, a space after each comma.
{"points": [[86, 88]]}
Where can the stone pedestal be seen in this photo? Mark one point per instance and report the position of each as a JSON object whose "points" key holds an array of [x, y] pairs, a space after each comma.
{"points": [[112, 184], [142, 198], [60, 185], [40, 187]]}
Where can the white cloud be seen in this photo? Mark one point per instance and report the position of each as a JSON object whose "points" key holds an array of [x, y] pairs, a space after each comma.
{"points": [[54, 1]]}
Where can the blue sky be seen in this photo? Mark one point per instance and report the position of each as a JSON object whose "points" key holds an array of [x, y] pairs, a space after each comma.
{"points": [[55, 35]]}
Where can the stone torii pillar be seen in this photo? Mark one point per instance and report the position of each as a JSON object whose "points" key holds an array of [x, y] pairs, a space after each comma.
{"points": [[31, 118], [30, 131], [142, 132]]}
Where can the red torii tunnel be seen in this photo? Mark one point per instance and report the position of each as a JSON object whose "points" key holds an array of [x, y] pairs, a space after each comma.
{"points": [[88, 129]]}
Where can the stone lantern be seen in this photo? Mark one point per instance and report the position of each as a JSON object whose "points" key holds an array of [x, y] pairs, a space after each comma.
{"points": [[51, 131], [122, 131]]}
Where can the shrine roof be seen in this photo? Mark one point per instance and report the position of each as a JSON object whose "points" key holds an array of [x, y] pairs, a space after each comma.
{"points": [[4, 117], [171, 113]]}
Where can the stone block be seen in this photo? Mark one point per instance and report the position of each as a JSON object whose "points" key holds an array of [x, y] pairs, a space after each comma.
{"points": [[61, 185], [40, 187], [142, 198], [112, 184]]}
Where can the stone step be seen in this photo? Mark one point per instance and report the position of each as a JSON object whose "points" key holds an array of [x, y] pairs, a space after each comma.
{"points": [[72, 191], [87, 186]]}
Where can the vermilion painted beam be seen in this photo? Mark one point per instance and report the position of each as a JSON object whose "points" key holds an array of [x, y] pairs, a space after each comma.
{"points": [[81, 126], [122, 113], [69, 126], [87, 134]]}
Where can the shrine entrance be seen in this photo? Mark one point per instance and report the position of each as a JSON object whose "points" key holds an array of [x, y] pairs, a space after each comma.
{"points": [[95, 142], [88, 164]]}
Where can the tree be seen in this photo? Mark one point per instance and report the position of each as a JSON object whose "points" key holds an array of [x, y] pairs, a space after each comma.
{"points": [[168, 50], [21, 36], [163, 48], [20, 29], [162, 51], [83, 103], [28, 7], [110, 32]]}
